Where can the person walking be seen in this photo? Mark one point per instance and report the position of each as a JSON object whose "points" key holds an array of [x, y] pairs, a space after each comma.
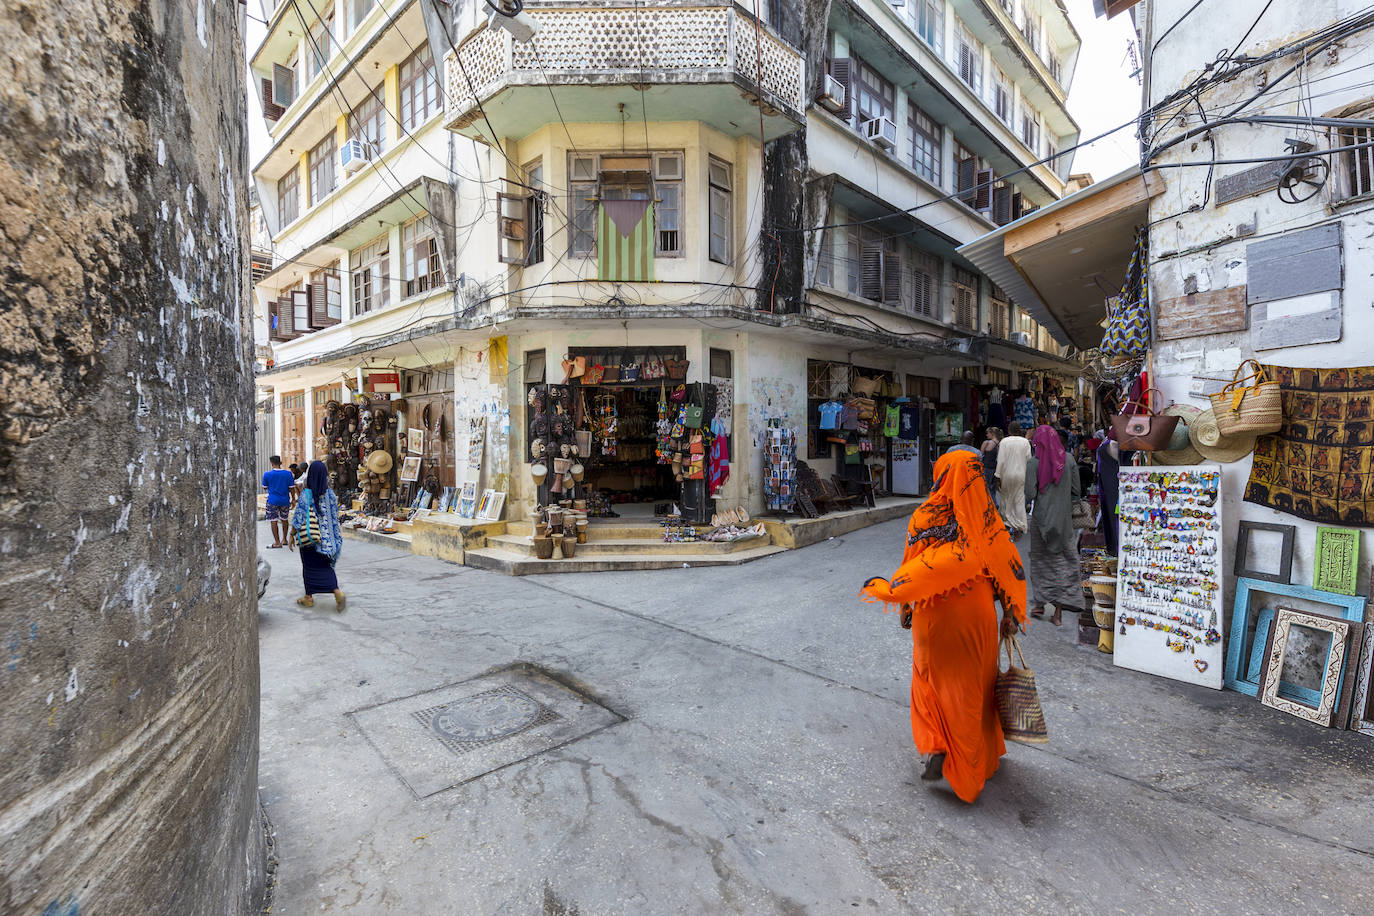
{"points": [[989, 450], [1052, 484], [1013, 453], [316, 521], [958, 561], [278, 482]]}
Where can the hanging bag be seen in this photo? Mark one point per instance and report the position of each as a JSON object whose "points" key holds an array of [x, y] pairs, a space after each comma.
{"points": [[1143, 432], [653, 367], [677, 368], [1256, 408], [1128, 323], [1018, 702], [611, 370], [594, 374], [629, 370], [309, 535], [1083, 514]]}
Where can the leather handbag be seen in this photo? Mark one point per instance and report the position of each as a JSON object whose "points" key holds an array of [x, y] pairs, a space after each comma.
{"points": [[1143, 432], [579, 368], [677, 368], [679, 394]]}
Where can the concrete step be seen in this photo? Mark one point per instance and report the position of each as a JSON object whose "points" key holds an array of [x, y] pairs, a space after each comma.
{"points": [[400, 539], [518, 543], [521, 564]]}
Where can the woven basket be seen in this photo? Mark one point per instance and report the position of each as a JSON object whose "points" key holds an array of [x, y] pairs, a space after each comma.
{"points": [[1256, 408], [1018, 703], [543, 548]]}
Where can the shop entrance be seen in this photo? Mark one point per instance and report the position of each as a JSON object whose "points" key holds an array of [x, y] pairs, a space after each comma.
{"points": [[618, 396]]}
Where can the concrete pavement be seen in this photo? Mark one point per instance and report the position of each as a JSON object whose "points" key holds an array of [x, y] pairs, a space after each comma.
{"points": [[747, 750]]}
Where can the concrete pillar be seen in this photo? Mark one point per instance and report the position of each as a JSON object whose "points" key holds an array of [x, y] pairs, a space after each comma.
{"points": [[129, 693]]}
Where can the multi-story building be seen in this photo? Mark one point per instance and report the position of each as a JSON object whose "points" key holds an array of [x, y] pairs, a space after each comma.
{"points": [[468, 208]]}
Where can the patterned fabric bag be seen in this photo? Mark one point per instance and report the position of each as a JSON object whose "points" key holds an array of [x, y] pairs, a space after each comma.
{"points": [[1018, 702], [1128, 324]]}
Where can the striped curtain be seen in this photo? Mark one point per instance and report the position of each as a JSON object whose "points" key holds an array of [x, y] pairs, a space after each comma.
{"points": [[625, 241]]}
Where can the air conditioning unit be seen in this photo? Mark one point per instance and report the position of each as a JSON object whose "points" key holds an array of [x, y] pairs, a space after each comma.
{"points": [[832, 99], [1021, 337], [354, 154], [882, 132]]}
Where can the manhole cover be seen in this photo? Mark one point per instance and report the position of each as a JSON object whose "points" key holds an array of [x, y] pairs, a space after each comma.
{"points": [[484, 717], [448, 736]]}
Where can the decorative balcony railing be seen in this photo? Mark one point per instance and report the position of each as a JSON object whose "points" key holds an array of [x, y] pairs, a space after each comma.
{"points": [[616, 44]]}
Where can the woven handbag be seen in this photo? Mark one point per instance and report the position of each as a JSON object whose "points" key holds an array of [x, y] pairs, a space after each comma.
{"points": [[1018, 702], [309, 536], [677, 368], [1254, 408]]}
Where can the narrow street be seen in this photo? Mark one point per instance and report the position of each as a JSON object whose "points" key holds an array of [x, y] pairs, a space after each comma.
{"points": [[746, 748]]}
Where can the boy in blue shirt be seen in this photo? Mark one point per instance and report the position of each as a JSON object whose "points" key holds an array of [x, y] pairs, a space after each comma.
{"points": [[278, 483]]}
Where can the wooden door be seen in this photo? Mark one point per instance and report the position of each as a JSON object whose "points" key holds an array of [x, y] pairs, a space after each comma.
{"points": [[293, 432], [440, 451]]}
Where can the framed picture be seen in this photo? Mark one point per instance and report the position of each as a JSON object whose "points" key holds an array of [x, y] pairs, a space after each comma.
{"points": [[467, 500], [1280, 571], [445, 499], [1322, 706], [493, 501], [415, 440], [1245, 653], [1361, 716], [410, 468], [1338, 556]]}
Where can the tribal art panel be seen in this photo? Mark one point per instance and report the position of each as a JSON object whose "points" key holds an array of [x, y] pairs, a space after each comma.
{"points": [[1320, 465]]}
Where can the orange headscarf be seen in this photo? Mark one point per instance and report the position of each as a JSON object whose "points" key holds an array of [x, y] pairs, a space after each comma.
{"points": [[953, 537]]}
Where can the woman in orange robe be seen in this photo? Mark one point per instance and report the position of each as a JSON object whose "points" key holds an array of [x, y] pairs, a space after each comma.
{"points": [[958, 561]]}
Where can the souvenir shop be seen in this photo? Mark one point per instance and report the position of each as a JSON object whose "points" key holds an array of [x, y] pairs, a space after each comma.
{"points": [[626, 436], [853, 426]]}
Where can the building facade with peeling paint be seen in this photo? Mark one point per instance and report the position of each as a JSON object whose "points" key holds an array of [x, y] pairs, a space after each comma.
{"points": [[650, 181]]}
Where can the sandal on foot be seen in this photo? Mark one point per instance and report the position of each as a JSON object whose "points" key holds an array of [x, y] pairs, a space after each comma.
{"points": [[340, 602], [935, 768], [307, 601]]}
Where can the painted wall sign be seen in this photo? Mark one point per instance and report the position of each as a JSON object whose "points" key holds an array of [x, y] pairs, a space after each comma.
{"points": [[1251, 181]]}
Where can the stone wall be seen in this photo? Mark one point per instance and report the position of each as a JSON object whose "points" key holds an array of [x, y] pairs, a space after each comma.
{"points": [[129, 689]]}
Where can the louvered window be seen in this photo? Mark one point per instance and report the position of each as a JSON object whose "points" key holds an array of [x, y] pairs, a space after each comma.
{"points": [[1001, 96], [925, 280], [326, 297], [968, 59], [1002, 310], [965, 299], [880, 267], [1358, 163]]}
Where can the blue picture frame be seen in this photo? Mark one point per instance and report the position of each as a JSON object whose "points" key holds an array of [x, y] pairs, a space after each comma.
{"points": [[1246, 679]]}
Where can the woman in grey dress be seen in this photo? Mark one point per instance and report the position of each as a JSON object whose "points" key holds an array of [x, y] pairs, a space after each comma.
{"points": [[1055, 576]]}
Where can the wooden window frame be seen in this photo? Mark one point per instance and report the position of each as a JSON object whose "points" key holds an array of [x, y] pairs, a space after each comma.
{"points": [[421, 251], [323, 160], [879, 89], [289, 196], [367, 122], [964, 283], [418, 88], [925, 137], [370, 268], [720, 195]]}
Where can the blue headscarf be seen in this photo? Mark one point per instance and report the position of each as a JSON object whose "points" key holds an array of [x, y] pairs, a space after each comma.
{"points": [[319, 497]]}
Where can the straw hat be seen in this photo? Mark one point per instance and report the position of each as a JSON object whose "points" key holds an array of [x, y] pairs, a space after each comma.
{"points": [[1180, 449], [1213, 445], [379, 462]]}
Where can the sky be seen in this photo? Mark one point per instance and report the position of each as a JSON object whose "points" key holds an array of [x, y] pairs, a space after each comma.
{"points": [[1102, 95]]}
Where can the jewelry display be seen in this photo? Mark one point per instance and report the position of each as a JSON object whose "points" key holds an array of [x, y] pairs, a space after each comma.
{"points": [[1169, 591]]}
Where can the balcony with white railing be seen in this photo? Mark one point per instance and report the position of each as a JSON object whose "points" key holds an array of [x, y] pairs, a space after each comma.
{"points": [[589, 63]]}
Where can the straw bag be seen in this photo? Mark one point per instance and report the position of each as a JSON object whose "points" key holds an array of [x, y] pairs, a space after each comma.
{"points": [[1018, 702], [677, 368], [1256, 408], [865, 386], [1143, 432]]}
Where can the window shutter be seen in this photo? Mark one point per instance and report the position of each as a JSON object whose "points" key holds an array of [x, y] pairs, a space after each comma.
{"points": [[319, 306], [283, 85], [982, 199], [922, 292], [286, 320], [892, 278], [1001, 205], [270, 109], [511, 210], [1016, 211], [842, 68], [871, 272], [968, 177]]}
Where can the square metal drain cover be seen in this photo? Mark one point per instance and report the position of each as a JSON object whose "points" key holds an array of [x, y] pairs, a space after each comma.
{"points": [[445, 737]]}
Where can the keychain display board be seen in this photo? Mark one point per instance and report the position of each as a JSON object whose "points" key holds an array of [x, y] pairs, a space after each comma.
{"points": [[1169, 575], [779, 467]]}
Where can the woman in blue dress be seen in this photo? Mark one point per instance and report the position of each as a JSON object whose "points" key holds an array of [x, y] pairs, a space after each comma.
{"points": [[321, 553]]}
